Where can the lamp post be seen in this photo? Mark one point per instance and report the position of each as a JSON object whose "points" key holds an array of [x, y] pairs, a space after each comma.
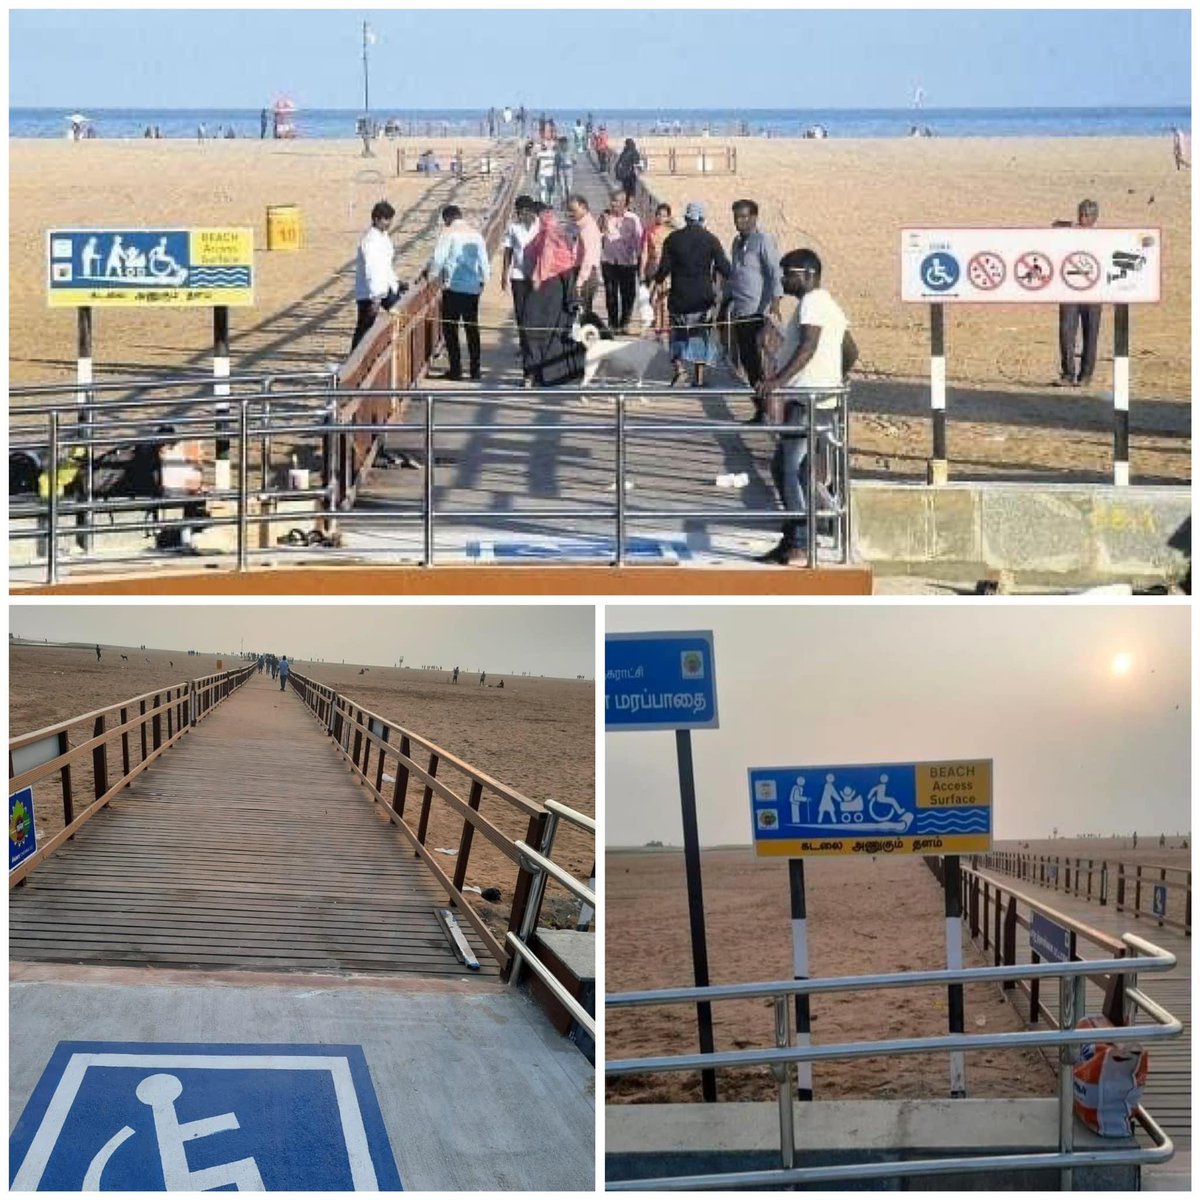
{"points": [[368, 38]]}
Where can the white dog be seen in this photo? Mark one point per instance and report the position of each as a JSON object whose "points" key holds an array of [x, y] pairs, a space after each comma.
{"points": [[625, 358]]}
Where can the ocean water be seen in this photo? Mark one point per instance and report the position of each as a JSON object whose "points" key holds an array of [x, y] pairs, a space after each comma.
{"points": [[840, 123]]}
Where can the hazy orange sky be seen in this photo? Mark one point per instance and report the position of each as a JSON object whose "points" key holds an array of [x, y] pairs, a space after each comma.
{"points": [[1077, 743], [543, 640]]}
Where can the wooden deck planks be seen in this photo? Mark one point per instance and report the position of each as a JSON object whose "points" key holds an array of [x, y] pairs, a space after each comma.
{"points": [[1168, 1089], [247, 847]]}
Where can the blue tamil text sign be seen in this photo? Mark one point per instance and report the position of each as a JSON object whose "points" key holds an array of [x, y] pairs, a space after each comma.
{"points": [[1049, 940], [22, 836], [660, 681], [879, 808], [139, 267], [136, 1117]]}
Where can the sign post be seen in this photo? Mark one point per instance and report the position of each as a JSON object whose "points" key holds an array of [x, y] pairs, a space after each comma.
{"points": [[925, 808], [83, 376], [1069, 265], [667, 681]]}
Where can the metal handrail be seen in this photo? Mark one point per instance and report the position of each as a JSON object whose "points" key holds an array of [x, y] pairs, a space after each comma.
{"points": [[1147, 957], [531, 960], [577, 889], [251, 418], [569, 814]]}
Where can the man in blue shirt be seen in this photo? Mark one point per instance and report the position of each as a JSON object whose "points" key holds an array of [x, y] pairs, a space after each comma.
{"points": [[284, 668], [460, 261]]}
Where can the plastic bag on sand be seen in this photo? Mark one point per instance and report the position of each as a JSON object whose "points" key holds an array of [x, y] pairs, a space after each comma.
{"points": [[1108, 1082]]}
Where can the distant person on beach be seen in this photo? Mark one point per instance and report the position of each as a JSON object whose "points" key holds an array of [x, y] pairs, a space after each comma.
{"points": [[817, 351], [201, 133], [284, 668], [375, 283], [626, 168], [482, 678], [97, 653], [692, 257], [455, 678], [1181, 148], [621, 234], [1077, 319], [460, 260], [262, 124], [517, 237], [552, 357], [589, 247], [753, 292]]}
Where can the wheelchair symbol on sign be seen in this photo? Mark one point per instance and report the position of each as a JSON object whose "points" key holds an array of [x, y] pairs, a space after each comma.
{"points": [[159, 1093], [939, 272]]}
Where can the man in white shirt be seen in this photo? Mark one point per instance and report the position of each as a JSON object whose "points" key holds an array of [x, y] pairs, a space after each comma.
{"points": [[516, 237], [817, 351], [375, 282], [545, 169]]}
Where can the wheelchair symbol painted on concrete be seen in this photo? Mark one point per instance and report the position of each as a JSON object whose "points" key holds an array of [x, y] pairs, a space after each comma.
{"points": [[147, 1117], [160, 1092], [939, 271]]}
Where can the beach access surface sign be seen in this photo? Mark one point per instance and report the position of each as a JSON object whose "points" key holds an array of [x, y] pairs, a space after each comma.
{"points": [[1030, 266], [158, 267], [879, 808], [660, 681]]}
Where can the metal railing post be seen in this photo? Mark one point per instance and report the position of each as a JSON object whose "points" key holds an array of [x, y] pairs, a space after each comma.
{"points": [[1071, 999], [52, 516], [428, 481], [620, 481], [243, 483], [810, 483], [783, 1076], [537, 892]]}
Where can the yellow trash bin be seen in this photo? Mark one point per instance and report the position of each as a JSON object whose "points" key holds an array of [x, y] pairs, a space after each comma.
{"points": [[283, 227]]}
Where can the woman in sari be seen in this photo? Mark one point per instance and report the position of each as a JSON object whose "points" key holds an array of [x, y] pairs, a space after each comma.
{"points": [[552, 355], [652, 247]]}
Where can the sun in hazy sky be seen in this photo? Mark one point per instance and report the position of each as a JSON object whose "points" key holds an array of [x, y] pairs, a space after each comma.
{"points": [[1122, 663]]}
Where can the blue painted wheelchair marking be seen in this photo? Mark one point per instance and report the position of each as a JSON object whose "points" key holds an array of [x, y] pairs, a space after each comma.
{"points": [[602, 549], [132, 1116]]}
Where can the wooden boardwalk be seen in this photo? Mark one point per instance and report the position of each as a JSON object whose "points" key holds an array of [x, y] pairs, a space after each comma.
{"points": [[247, 847], [1168, 1095]]}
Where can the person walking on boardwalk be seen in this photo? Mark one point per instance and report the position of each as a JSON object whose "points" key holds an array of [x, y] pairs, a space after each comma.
{"points": [[564, 171], [460, 260], [621, 233], [817, 351], [653, 241], [284, 668], [376, 286], [589, 248], [626, 168], [544, 167], [512, 273], [553, 357], [753, 292], [691, 259], [1079, 319]]}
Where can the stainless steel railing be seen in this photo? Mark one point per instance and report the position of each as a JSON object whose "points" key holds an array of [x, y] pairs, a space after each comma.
{"points": [[260, 412], [1144, 957]]}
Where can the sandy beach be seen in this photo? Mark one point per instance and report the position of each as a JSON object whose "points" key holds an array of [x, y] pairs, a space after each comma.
{"points": [[303, 313], [535, 735], [849, 199], [864, 917]]}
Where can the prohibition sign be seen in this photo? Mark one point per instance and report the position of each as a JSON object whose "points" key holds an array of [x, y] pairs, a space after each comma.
{"points": [[1080, 270], [986, 270], [1033, 270]]}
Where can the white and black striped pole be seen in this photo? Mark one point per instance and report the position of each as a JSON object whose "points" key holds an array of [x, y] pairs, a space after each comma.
{"points": [[954, 962], [83, 398], [1121, 395], [804, 1090], [939, 467], [221, 389]]}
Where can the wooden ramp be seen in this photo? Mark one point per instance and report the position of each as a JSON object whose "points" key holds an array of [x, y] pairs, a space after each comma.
{"points": [[247, 847], [1168, 1096]]}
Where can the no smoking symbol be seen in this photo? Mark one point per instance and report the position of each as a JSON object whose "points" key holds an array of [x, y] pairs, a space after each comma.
{"points": [[986, 270], [1033, 271], [1080, 271]]}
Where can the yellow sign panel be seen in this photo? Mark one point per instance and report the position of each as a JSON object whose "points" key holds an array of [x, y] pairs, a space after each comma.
{"points": [[966, 843], [953, 784]]}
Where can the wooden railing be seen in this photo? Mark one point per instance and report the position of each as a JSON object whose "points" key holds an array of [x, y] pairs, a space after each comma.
{"points": [[397, 352], [1103, 880], [994, 912], [375, 747], [135, 731]]}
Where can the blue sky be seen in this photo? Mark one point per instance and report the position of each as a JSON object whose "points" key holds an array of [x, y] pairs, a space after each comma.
{"points": [[670, 58]]}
